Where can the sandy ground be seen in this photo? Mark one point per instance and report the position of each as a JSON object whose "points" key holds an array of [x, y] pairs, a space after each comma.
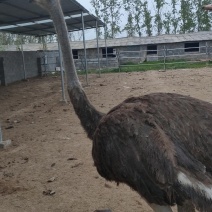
{"points": [[48, 143]]}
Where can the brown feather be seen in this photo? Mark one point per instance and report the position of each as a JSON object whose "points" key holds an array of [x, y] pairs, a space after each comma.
{"points": [[145, 141]]}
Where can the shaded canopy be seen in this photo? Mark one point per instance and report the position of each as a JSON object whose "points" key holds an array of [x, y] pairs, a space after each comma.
{"points": [[22, 17]]}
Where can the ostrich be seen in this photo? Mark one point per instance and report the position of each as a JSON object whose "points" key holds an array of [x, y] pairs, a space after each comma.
{"points": [[158, 144]]}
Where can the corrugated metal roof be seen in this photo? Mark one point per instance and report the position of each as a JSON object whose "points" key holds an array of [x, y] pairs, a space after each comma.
{"points": [[131, 41], [22, 17]]}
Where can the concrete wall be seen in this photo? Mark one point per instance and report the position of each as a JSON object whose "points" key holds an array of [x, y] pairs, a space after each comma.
{"points": [[13, 68], [13, 65]]}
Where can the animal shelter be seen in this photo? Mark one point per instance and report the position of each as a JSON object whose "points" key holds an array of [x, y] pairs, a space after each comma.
{"points": [[196, 46], [32, 20]]}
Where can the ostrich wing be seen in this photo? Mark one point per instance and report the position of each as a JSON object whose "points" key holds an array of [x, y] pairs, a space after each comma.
{"points": [[146, 141], [128, 148]]}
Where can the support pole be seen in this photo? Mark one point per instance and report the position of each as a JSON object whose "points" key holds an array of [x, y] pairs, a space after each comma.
{"points": [[85, 53], [97, 40], [45, 56], [62, 73], [119, 63], [164, 57], [140, 52], [106, 46], [23, 58], [207, 55]]}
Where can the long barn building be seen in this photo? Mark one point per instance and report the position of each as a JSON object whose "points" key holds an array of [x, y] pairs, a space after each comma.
{"points": [[192, 46]]}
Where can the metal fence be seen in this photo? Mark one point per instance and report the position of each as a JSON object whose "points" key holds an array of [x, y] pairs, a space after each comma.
{"points": [[50, 62], [165, 56], [162, 56]]}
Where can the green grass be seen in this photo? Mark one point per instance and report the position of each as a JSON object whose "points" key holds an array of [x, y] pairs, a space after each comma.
{"points": [[158, 65], [154, 65]]}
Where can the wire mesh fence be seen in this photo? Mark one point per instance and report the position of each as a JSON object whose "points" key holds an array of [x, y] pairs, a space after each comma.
{"points": [[50, 62], [164, 58], [145, 59]]}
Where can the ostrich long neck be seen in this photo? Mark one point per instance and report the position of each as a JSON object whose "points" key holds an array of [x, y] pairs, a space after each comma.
{"points": [[87, 114]]}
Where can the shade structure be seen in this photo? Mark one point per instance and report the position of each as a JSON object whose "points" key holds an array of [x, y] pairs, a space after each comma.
{"points": [[23, 17]]}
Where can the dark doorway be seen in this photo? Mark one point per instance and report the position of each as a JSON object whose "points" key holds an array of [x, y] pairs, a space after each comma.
{"points": [[2, 76], [191, 47], [152, 49], [75, 53], [110, 52]]}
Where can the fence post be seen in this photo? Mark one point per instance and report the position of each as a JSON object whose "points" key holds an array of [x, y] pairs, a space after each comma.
{"points": [[118, 57], [207, 53], [164, 57]]}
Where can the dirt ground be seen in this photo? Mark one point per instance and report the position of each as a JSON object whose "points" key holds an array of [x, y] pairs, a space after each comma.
{"points": [[49, 165]]}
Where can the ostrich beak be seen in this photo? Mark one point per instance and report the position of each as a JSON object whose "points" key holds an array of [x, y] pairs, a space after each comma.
{"points": [[207, 7]]}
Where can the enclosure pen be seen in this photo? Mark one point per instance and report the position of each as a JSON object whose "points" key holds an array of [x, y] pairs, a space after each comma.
{"points": [[148, 142], [145, 58]]}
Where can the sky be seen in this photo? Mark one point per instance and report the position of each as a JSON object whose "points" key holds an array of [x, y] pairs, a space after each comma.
{"points": [[91, 34], [86, 4]]}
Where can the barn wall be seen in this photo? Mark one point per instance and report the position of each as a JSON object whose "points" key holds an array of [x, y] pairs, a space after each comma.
{"points": [[134, 54], [92, 60], [176, 51]]}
